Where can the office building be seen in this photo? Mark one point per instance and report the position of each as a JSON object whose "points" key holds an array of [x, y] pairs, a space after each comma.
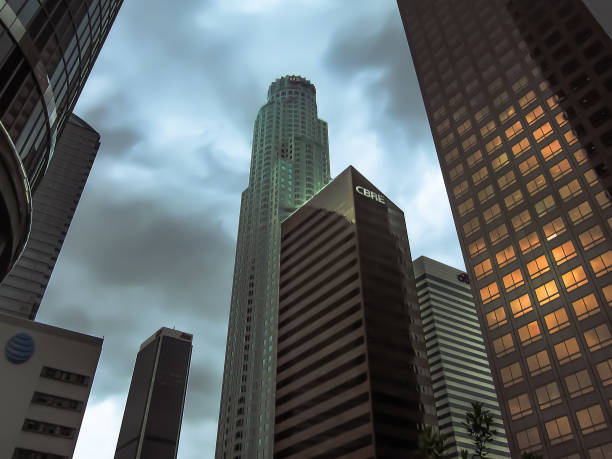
{"points": [[352, 377], [47, 373], [458, 363], [289, 163], [151, 423], [53, 205], [518, 94], [47, 52]]}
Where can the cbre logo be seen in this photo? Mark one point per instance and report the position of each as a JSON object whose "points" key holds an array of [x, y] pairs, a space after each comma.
{"points": [[370, 194]]}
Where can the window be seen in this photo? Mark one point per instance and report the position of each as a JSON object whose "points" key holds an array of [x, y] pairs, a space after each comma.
{"points": [[553, 102], [560, 169], [481, 114], [65, 376], [529, 242], [46, 428], [469, 142], [500, 161], [602, 200], [591, 419], [585, 307], [520, 147], [55, 401], [483, 269], [559, 430], [598, 337], [553, 229], [591, 177], [529, 333], [551, 150], [604, 369], [542, 132], [513, 280], [489, 293], [514, 130], [443, 126], [451, 156], [456, 171], [528, 439], [534, 115], [538, 363], [480, 175], [498, 234], [578, 383], [487, 128], [601, 452], [506, 180], [529, 165], [460, 189], [556, 320], [502, 98], [464, 127], [459, 114], [607, 292], [505, 256], [507, 114], [474, 158], [602, 264], [521, 220], [465, 207], [496, 318], [564, 252], [493, 145], [520, 84], [513, 199], [527, 99], [561, 119], [521, 305], [477, 247], [492, 213], [570, 190], [547, 292], [581, 156], [503, 345], [471, 227], [574, 278], [548, 395], [570, 137], [545, 205], [591, 237], [511, 374], [567, 351], [538, 266], [519, 406], [535, 185], [485, 194]]}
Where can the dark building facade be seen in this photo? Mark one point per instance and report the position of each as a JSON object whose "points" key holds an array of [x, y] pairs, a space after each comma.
{"points": [[153, 414], [47, 50], [53, 205], [352, 376], [518, 95]]}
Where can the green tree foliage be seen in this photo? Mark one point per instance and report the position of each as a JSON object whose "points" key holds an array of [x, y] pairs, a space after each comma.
{"points": [[531, 456], [478, 423], [432, 444]]}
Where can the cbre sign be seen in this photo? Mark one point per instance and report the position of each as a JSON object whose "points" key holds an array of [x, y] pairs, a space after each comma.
{"points": [[370, 194]]}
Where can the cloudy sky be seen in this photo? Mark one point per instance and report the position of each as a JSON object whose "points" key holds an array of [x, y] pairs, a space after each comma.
{"points": [[174, 95]]}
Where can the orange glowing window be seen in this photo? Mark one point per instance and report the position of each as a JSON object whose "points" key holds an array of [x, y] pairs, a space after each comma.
{"points": [[527, 99], [483, 269], [489, 292], [591, 419], [556, 320], [564, 252], [512, 374], [580, 213], [465, 207], [469, 142], [535, 185], [481, 114], [534, 115], [561, 119], [477, 247], [505, 256], [538, 266], [474, 158], [553, 101], [513, 280], [485, 194], [529, 333], [496, 318], [507, 114], [570, 137], [591, 177], [574, 278], [553, 229], [551, 150], [506, 180], [559, 430], [487, 129], [513, 199], [605, 372], [491, 213], [520, 147], [521, 305], [464, 127], [520, 84], [567, 351], [607, 293], [500, 161], [538, 363], [514, 130], [528, 439], [598, 337], [543, 206], [548, 395], [480, 175], [456, 171], [471, 227], [570, 190], [591, 237], [547, 292], [460, 189], [528, 165], [493, 145], [578, 383], [503, 345], [560, 169], [602, 200], [581, 156], [602, 264], [586, 306], [519, 406], [542, 132], [498, 234], [529, 242], [521, 220]]}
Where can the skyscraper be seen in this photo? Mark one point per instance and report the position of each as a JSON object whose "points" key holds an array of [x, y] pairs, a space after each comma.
{"points": [[153, 413], [289, 163], [516, 93], [47, 51], [53, 205], [352, 375], [456, 353]]}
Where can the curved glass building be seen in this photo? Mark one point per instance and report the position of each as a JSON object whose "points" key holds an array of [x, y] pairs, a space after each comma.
{"points": [[47, 49], [289, 164]]}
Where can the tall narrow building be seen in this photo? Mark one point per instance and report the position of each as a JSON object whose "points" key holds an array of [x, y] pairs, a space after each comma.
{"points": [[518, 97], [289, 163], [352, 374], [458, 363], [54, 204]]}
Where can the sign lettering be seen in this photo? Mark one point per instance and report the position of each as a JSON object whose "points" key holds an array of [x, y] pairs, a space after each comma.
{"points": [[370, 194]]}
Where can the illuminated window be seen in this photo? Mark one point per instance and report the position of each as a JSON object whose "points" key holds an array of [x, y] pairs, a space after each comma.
{"points": [[574, 278], [591, 419], [506, 180], [507, 114], [460, 189], [469, 142], [542, 132], [534, 115], [489, 293], [607, 293], [548, 395], [570, 190], [487, 128], [547, 292], [570, 137], [483, 269], [604, 369], [477, 247], [578, 383], [456, 171], [551, 150], [514, 130], [556, 320], [585, 307], [448, 140], [513, 199], [474, 158], [503, 345], [481, 114], [513, 280], [602, 200], [528, 165], [564, 252], [491, 213], [567, 351], [529, 242], [580, 213], [602, 264], [553, 229], [560, 169], [485, 194], [511, 374], [527, 99], [591, 237], [471, 227], [581, 156], [538, 363], [529, 333], [521, 305], [496, 318], [465, 207], [451, 156], [493, 145], [528, 439], [480, 175], [520, 147], [553, 101], [464, 127], [598, 337], [561, 119], [443, 126], [498, 234], [500, 162], [543, 206], [601, 452], [521, 220], [559, 430], [519, 406], [520, 84], [591, 177], [505, 256], [538, 266], [535, 185]]}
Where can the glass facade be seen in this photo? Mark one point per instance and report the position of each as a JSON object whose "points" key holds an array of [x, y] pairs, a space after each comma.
{"points": [[516, 94], [47, 50], [289, 163]]}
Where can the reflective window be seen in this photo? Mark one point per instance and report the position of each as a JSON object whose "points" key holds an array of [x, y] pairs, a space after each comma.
{"points": [[464, 127], [567, 351], [604, 369], [491, 213], [535, 185], [591, 419], [465, 207], [469, 142], [496, 318], [487, 128], [505, 256], [456, 171], [538, 363], [513, 280], [443, 126], [460, 189], [529, 333], [529, 242], [527, 99], [553, 229], [471, 227], [578, 383], [585, 307], [520, 147], [528, 439], [547, 292], [474, 158], [548, 395], [480, 175], [529, 165], [545, 205], [489, 292], [542, 132], [507, 114], [556, 320], [538, 266], [500, 161], [493, 145], [602, 200], [560, 169], [551, 150], [591, 237], [607, 292], [481, 114], [559, 430], [561, 119], [519, 406], [598, 337], [498, 234], [514, 130], [574, 278], [521, 305], [506, 180], [485, 194], [483, 269], [570, 190], [602, 264], [503, 345], [451, 156], [511, 374], [521, 220], [513, 199], [570, 137], [581, 156], [534, 115], [477, 247]]}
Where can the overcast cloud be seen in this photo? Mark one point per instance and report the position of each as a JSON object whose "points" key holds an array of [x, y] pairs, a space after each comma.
{"points": [[174, 95]]}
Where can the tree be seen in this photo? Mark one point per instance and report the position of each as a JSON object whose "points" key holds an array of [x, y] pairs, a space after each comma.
{"points": [[432, 444], [478, 423], [531, 456]]}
